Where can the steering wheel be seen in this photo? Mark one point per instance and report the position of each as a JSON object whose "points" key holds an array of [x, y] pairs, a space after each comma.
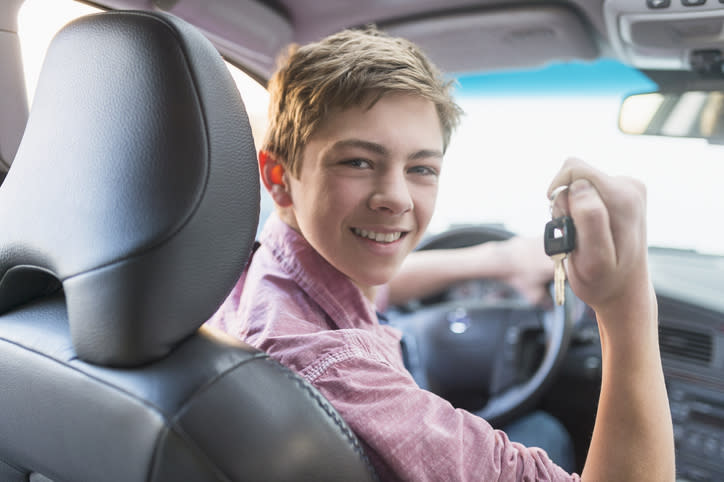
{"points": [[477, 341]]}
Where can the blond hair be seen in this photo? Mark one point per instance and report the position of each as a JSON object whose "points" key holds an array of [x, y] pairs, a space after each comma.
{"points": [[352, 67]]}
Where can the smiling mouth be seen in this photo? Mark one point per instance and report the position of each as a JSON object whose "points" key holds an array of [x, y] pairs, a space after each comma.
{"points": [[379, 237]]}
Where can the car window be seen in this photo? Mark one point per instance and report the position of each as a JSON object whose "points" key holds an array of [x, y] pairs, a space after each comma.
{"points": [[547, 114], [40, 20]]}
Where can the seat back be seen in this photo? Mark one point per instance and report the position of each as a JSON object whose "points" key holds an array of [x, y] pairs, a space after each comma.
{"points": [[127, 217]]}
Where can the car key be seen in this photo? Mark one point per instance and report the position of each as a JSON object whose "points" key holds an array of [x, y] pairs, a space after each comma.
{"points": [[559, 239]]}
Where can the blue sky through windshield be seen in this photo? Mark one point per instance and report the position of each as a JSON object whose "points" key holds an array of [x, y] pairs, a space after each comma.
{"points": [[571, 78]]}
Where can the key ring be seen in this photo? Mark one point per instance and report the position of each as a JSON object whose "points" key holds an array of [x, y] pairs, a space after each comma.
{"points": [[554, 196]]}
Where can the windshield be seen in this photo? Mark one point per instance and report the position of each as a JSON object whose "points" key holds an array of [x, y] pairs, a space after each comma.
{"points": [[520, 126]]}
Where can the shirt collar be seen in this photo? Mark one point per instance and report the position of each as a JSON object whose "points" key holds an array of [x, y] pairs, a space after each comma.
{"points": [[335, 293]]}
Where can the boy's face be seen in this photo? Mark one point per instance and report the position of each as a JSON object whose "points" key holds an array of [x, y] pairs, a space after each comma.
{"points": [[367, 186]]}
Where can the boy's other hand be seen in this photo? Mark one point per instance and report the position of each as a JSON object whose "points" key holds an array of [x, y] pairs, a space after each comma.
{"points": [[531, 270]]}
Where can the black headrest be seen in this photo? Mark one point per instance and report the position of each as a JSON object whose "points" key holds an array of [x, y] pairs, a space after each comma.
{"points": [[135, 186]]}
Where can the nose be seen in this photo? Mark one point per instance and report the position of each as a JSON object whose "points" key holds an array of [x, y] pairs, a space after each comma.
{"points": [[391, 194]]}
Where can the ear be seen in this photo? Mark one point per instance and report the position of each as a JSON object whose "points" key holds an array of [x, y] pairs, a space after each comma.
{"points": [[273, 175]]}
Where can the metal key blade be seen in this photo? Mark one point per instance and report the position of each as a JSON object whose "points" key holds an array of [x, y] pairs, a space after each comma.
{"points": [[559, 240]]}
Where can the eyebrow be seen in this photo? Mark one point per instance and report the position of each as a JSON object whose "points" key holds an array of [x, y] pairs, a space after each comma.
{"points": [[382, 150]]}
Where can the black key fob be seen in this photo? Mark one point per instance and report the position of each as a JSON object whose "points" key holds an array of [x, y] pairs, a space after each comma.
{"points": [[559, 236]]}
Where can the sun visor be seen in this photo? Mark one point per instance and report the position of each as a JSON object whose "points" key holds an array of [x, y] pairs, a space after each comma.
{"points": [[244, 29], [508, 38], [666, 35]]}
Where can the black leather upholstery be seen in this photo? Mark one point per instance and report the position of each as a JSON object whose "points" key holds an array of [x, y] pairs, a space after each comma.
{"points": [[126, 218]]}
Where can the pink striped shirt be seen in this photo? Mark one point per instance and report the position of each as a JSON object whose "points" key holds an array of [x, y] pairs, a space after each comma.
{"points": [[294, 305]]}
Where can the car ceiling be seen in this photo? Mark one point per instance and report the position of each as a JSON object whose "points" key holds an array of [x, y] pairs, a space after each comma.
{"points": [[463, 35], [460, 35]]}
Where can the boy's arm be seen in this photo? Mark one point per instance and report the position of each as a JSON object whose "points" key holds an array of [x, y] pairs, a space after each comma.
{"points": [[633, 435], [520, 262]]}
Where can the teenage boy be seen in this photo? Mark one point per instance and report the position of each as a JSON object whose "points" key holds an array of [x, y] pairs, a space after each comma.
{"points": [[359, 123]]}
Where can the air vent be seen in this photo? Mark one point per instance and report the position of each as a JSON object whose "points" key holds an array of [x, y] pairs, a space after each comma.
{"points": [[685, 344]]}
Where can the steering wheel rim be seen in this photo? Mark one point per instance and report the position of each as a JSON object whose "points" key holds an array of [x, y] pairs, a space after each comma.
{"points": [[515, 400]]}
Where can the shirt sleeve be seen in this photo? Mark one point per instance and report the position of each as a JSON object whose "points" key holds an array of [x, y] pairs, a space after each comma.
{"points": [[413, 434]]}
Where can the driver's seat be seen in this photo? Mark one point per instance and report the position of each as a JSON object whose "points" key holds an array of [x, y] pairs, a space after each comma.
{"points": [[126, 218]]}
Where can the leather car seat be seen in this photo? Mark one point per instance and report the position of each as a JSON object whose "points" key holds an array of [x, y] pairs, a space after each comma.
{"points": [[125, 220]]}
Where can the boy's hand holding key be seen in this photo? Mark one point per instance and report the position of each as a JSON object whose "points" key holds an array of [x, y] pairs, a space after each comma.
{"points": [[608, 270]]}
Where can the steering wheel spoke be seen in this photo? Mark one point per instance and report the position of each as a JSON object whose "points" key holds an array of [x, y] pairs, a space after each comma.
{"points": [[507, 367]]}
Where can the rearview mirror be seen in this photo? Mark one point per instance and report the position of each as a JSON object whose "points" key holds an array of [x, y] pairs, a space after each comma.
{"points": [[698, 114]]}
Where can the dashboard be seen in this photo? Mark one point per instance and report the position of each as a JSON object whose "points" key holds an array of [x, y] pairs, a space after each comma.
{"points": [[690, 291]]}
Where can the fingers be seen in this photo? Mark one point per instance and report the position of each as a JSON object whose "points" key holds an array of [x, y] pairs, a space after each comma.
{"points": [[576, 169], [624, 196], [609, 214], [595, 254]]}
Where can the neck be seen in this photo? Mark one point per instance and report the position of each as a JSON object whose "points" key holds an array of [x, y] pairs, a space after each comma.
{"points": [[369, 292]]}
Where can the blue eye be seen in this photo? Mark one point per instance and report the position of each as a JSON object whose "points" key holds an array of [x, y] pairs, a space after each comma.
{"points": [[359, 163], [423, 170]]}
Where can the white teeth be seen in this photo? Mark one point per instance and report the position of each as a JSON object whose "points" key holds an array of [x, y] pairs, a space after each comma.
{"points": [[379, 237]]}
